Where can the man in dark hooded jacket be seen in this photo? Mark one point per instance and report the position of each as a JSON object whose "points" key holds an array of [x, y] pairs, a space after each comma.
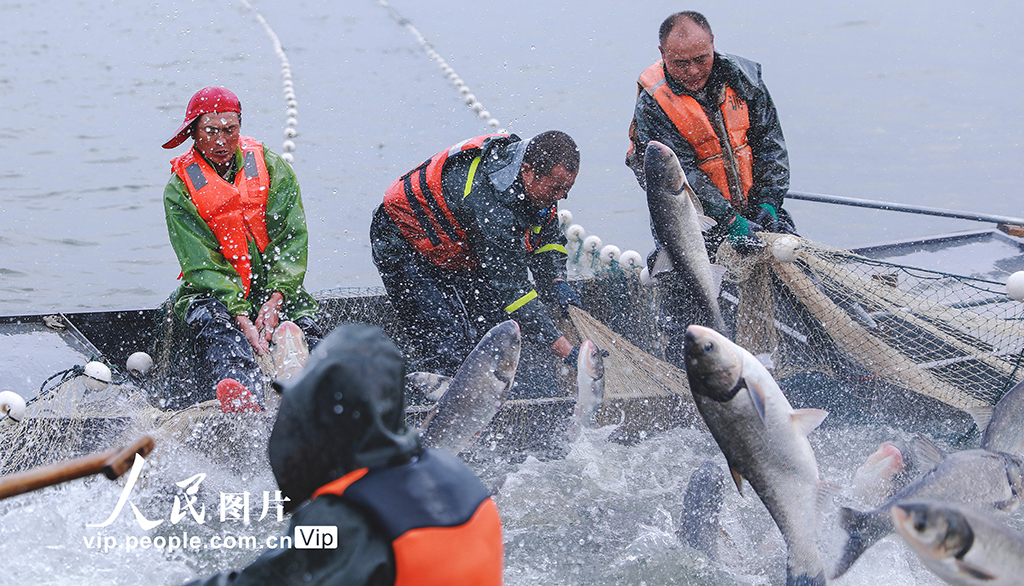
{"points": [[458, 237], [343, 455]]}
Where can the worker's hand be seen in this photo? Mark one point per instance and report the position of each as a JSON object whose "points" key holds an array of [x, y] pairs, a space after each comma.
{"points": [[252, 334], [563, 348], [742, 235], [564, 294], [766, 216], [269, 316]]}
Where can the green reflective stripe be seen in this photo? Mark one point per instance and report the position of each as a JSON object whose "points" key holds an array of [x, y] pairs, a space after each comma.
{"points": [[521, 301], [469, 180], [535, 229], [548, 247]]}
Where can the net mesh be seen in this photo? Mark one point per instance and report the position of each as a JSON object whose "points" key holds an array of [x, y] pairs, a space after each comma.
{"points": [[953, 338]]}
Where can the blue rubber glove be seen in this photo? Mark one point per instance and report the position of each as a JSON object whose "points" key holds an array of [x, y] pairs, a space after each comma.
{"points": [[766, 216], [573, 358], [564, 294], [742, 237]]}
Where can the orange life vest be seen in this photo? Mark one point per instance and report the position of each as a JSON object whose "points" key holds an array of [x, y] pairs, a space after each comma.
{"points": [[416, 203], [693, 124], [443, 524], [235, 212]]}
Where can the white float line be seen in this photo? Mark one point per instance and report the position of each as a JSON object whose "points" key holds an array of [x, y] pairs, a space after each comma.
{"points": [[290, 131], [470, 100]]}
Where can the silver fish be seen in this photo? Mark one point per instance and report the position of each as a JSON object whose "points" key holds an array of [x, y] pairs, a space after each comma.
{"points": [[677, 227], [288, 350], [1003, 431], [764, 441], [977, 478], [698, 523], [476, 391], [589, 384], [960, 544], [887, 470]]}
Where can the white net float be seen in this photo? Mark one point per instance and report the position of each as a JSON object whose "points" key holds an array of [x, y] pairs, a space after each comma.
{"points": [[139, 363], [610, 254], [1015, 286], [12, 405], [646, 279], [631, 259], [785, 248], [564, 219], [97, 376], [575, 233], [592, 244]]}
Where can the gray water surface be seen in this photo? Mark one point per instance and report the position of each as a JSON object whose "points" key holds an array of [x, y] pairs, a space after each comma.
{"points": [[909, 102]]}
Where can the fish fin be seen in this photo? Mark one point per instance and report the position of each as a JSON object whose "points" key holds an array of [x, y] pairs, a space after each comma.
{"points": [[439, 392], [863, 530], [766, 361], [697, 205], [806, 420], [706, 223], [1007, 506], [974, 571], [426, 420], [804, 579], [662, 264], [931, 455], [756, 393], [824, 495], [431, 386], [981, 414], [717, 276], [737, 478]]}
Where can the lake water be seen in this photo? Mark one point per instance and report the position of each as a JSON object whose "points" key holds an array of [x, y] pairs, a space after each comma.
{"points": [[917, 104]]}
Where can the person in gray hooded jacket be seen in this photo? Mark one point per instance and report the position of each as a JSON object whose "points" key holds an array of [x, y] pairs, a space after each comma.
{"points": [[343, 455]]}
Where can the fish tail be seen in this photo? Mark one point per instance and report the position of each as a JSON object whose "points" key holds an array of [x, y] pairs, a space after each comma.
{"points": [[805, 579], [863, 530]]}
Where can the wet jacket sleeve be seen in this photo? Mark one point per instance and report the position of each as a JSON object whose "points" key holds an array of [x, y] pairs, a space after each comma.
{"points": [[497, 239], [204, 268], [653, 124], [547, 262], [363, 556], [771, 159], [285, 257]]}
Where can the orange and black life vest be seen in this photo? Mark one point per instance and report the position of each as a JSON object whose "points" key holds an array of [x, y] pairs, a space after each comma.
{"points": [[235, 212], [416, 203], [534, 234], [693, 124], [443, 524]]}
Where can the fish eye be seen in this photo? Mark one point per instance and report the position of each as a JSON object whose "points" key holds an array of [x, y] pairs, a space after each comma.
{"points": [[708, 347]]}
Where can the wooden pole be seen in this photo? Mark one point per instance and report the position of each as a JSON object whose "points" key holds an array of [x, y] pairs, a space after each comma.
{"points": [[112, 464]]}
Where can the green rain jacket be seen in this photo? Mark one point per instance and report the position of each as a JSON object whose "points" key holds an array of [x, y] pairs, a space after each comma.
{"points": [[280, 267]]}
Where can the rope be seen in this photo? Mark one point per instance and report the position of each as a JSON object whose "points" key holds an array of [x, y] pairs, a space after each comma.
{"points": [[471, 101], [290, 132]]}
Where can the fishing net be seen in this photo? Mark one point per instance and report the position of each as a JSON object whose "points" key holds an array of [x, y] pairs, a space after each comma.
{"points": [[957, 339], [866, 323]]}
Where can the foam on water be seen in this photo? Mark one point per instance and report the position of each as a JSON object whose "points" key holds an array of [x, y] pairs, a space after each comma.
{"points": [[604, 513]]}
